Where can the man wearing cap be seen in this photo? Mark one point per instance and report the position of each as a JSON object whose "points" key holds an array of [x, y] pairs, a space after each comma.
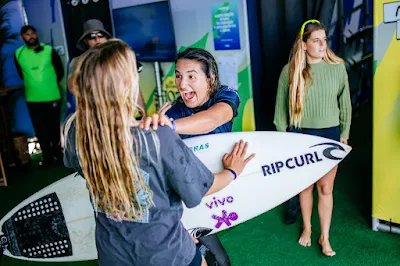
{"points": [[94, 33], [40, 67]]}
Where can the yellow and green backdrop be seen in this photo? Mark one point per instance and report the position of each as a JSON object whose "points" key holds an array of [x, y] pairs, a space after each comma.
{"points": [[386, 111], [193, 24]]}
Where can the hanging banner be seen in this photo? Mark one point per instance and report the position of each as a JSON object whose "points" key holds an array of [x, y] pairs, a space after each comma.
{"points": [[386, 108], [225, 26]]}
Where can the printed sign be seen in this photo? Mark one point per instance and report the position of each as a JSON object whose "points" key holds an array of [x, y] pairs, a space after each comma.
{"points": [[226, 26]]}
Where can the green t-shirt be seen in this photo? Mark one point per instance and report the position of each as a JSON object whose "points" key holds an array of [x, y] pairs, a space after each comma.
{"points": [[40, 78]]}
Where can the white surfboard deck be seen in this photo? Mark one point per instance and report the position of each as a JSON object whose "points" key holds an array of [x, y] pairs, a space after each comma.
{"points": [[285, 164], [79, 218]]}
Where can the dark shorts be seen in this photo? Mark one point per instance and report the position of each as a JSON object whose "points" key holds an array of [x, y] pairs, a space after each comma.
{"points": [[329, 133], [197, 259]]}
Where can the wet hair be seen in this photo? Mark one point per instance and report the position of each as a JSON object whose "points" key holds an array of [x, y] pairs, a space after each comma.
{"points": [[208, 65], [106, 88]]}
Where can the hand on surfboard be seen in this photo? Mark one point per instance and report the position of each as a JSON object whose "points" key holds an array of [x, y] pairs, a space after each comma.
{"points": [[236, 159], [344, 141]]}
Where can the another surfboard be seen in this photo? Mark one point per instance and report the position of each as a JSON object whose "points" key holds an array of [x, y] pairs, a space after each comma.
{"points": [[57, 223], [54, 224]]}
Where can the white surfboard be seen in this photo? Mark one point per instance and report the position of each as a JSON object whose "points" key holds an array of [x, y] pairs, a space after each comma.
{"points": [[57, 223], [285, 164], [54, 224]]}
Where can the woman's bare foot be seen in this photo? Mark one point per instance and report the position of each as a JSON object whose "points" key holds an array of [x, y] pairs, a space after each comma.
{"points": [[326, 247], [305, 238]]}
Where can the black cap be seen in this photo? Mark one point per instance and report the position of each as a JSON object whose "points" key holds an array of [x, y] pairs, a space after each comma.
{"points": [[26, 28]]}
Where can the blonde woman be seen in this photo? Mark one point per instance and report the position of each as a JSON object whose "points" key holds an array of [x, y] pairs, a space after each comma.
{"points": [[313, 98], [137, 179]]}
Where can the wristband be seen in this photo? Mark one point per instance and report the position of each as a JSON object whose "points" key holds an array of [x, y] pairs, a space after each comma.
{"points": [[233, 172], [173, 125]]}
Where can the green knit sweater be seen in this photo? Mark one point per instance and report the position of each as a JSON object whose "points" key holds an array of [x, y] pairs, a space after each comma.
{"points": [[327, 102]]}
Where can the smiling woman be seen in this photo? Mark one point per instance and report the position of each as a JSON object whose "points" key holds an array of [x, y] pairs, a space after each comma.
{"points": [[192, 83], [204, 106]]}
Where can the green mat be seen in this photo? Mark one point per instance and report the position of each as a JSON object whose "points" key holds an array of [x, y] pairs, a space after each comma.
{"points": [[266, 240]]}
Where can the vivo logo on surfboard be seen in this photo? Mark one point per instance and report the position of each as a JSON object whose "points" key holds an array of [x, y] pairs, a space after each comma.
{"points": [[219, 202], [226, 218], [304, 159]]}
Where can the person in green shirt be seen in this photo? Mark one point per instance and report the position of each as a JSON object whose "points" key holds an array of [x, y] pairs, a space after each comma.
{"points": [[313, 97], [40, 67]]}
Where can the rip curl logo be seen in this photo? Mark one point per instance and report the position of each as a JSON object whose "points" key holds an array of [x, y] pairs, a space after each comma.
{"points": [[328, 151], [225, 218], [304, 159]]}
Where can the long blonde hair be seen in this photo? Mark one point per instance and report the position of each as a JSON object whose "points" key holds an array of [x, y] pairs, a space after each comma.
{"points": [[106, 90], [300, 75]]}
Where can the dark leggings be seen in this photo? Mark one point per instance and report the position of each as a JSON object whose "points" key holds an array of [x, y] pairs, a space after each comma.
{"points": [[45, 118], [214, 245]]}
